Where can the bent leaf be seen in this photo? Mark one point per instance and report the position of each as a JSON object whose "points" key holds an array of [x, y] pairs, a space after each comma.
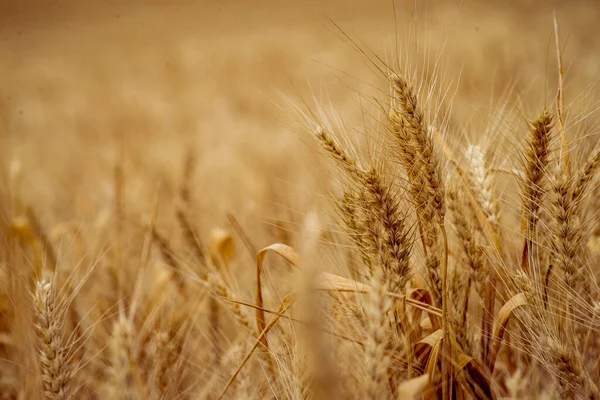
{"points": [[504, 315], [427, 351], [291, 256]]}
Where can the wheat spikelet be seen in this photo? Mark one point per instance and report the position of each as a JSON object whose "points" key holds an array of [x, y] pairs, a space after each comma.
{"points": [[396, 266], [481, 181], [55, 365], [472, 255], [572, 378], [125, 380], [566, 238], [584, 177], [166, 352], [459, 287], [536, 162], [338, 154], [409, 116], [376, 360], [350, 210]]}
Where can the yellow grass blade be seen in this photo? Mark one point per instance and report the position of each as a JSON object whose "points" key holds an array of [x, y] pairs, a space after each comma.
{"points": [[502, 320], [291, 256]]}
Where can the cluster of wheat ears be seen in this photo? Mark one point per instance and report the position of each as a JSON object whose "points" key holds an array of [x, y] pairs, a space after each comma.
{"points": [[442, 296]]}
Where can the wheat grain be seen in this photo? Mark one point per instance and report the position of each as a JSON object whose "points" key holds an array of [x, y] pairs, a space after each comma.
{"points": [[52, 349]]}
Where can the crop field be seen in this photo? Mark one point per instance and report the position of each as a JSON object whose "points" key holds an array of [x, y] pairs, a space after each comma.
{"points": [[299, 199]]}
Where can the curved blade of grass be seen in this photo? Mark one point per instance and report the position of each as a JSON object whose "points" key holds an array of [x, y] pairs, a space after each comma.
{"points": [[427, 350], [503, 318], [292, 257]]}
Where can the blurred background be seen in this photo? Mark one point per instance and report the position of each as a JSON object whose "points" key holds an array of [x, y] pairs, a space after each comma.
{"points": [[85, 86]]}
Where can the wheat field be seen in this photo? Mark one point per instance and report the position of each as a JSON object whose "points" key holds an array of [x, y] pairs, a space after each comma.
{"points": [[299, 200]]}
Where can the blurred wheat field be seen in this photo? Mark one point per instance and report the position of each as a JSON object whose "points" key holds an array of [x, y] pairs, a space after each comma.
{"points": [[161, 76], [151, 149]]}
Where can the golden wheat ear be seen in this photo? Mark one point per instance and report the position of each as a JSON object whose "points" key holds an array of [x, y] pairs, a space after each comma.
{"points": [[53, 350], [537, 155], [376, 360], [125, 376]]}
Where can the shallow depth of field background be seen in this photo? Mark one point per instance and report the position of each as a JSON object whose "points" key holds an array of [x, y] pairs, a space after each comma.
{"points": [[85, 86]]}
